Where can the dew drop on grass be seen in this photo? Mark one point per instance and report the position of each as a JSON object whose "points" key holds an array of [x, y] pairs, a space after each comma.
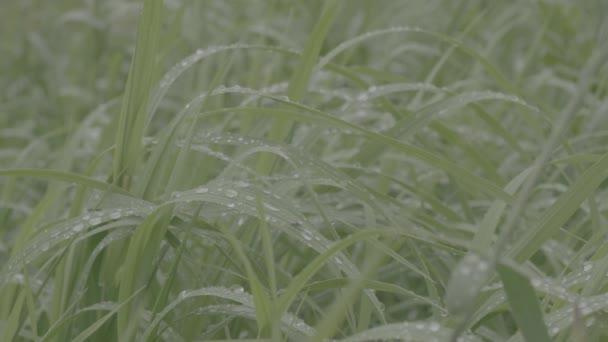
{"points": [[237, 289], [95, 221], [434, 326], [270, 207], [587, 266], [306, 235], [77, 228], [115, 215], [466, 280], [230, 205], [231, 193], [183, 294], [242, 184], [18, 278], [201, 190]]}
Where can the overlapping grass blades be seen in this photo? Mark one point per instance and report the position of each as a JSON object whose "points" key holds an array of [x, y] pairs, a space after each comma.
{"points": [[420, 170]]}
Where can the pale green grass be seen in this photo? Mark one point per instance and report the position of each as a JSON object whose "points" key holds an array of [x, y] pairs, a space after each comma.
{"points": [[303, 170]]}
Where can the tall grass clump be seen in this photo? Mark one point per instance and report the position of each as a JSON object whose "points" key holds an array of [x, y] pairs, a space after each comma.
{"points": [[187, 170]]}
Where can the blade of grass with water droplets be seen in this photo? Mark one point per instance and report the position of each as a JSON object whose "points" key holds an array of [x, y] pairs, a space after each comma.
{"points": [[370, 284], [473, 182], [559, 213]]}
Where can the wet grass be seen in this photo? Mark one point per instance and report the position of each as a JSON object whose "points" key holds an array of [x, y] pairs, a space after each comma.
{"points": [[303, 170]]}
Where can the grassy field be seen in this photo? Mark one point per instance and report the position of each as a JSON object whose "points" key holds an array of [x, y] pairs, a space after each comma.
{"points": [[349, 170]]}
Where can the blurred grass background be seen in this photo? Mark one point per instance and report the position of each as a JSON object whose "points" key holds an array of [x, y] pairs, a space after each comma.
{"points": [[300, 170]]}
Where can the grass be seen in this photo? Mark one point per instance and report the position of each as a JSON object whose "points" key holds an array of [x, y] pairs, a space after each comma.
{"points": [[303, 170]]}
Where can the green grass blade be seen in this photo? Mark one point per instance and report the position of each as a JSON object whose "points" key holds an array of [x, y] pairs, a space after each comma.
{"points": [[64, 176], [563, 208], [85, 334], [298, 85], [142, 75], [524, 304], [137, 268]]}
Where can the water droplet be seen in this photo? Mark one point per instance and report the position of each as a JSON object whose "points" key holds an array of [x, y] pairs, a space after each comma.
{"points": [[270, 207], [78, 227], [183, 294], [231, 193], [95, 221], [115, 215], [362, 97], [483, 266], [231, 205], [237, 288], [467, 279], [18, 278], [434, 326], [587, 266], [201, 190], [242, 184]]}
